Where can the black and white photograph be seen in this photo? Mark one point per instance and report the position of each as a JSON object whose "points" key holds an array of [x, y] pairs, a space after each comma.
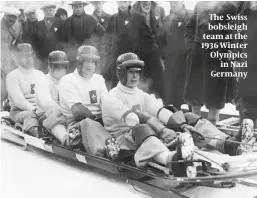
{"points": [[128, 99]]}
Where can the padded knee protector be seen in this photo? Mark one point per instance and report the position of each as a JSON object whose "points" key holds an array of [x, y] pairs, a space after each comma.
{"points": [[141, 132], [207, 129], [171, 108], [192, 118], [176, 120]]}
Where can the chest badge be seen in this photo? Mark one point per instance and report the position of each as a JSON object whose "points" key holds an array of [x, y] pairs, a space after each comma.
{"points": [[93, 96], [32, 88], [136, 108], [126, 22], [179, 24], [102, 20], [55, 29]]}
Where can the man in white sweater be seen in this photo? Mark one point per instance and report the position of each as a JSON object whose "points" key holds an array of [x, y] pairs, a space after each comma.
{"points": [[82, 92], [47, 96], [139, 122], [20, 84], [30, 95]]}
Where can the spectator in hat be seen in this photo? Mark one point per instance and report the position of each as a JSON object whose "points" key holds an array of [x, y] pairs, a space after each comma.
{"points": [[175, 53], [22, 17], [80, 29], [49, 34], [102, 18], [30, 29], [128, 32], [61, 14], [9, 39]]}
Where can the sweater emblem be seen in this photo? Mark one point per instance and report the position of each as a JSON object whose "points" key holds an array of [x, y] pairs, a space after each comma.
{"points": [[93, 96], [136, 108]]}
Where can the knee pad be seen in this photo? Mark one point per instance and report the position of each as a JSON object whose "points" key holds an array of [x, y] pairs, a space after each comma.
{"points": [[171, 108], [141, 132], [192, 118]]}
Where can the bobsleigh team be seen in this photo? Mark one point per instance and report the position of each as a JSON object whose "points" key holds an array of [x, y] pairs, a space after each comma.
{"points": [[137, 120]]}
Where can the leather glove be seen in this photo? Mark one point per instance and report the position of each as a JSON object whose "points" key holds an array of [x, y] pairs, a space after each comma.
{"points": [[80, 112], [167, 135]]}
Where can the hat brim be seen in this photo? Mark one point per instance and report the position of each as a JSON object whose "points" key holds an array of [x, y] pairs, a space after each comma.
{"points": [[59, 62], [71, 4], [90, 56], [49, 6], [133, 63]]}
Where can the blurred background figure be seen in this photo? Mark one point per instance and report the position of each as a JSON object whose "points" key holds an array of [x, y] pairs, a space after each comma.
{"points": [[30, 29], [22, 17], [10, 37], [49, 35], [200, 87], [154, 15], [61, 13], [175, 53], [80, 29], [102, 18], [129, 32], [247, 89]]}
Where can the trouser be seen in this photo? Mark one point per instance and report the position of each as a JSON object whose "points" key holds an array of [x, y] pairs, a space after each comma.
{"points": [[28, 119], [248, 108], [55, 123]]}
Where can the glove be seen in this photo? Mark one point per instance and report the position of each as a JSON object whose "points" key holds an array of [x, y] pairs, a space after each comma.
{"points": [[167, 135], [80, 112], [163, 133]]}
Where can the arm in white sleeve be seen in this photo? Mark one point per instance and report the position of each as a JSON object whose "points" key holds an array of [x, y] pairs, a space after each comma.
{"points": [[155, 108], [117, 110], [68, 94], [16, 95], [43, 94]]}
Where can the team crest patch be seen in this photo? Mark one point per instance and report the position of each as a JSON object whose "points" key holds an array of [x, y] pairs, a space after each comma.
{"points": [[93, 96], [102, 20], [32, 88], [126, 22], [136, 108]]}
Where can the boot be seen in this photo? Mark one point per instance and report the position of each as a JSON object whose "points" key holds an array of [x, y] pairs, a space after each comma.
{"points": [[184, 152]]}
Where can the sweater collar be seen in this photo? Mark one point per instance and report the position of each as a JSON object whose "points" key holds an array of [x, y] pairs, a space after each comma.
{"points": [[25, 70], [127, 90], [79, 76], [55, 81]]}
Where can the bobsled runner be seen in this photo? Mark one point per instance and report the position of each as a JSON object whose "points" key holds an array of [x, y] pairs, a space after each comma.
{"points": [[154, 180]]}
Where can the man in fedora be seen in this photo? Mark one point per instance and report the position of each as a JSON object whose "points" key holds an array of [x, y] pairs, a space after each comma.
{"points": [[49, 34], [80, 29], [9, 38]]}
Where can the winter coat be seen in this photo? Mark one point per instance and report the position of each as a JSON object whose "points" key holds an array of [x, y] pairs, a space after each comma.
{"points": [[101, 40], [30, 33], [157, 15], [247, 88], [78, 31], [128, 32], [48, 39], [200, 87], [175, 57], [10, 37]]}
